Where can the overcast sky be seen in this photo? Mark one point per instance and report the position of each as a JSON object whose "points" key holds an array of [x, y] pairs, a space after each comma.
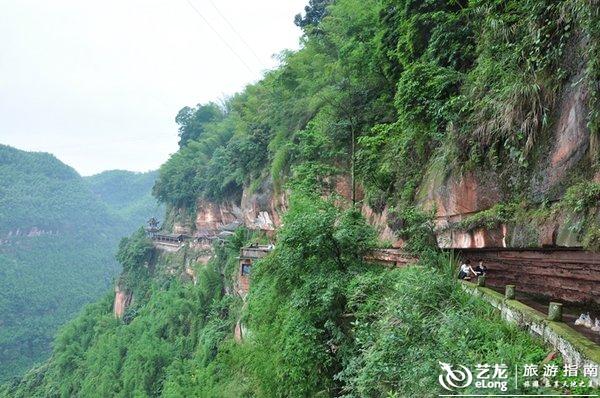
{"points": [[98, 83]]}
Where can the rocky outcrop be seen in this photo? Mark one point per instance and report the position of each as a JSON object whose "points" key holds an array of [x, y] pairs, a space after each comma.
{"points": [[453, 194], [123, 300], [212, 217], [259, 209], [381, 222], [263, 209], [460, 194], [570, 139], [456, 195]]}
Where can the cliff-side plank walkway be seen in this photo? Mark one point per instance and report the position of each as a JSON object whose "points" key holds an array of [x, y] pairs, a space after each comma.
{"points": [[565, 275], [573, 346], [540, 275]]}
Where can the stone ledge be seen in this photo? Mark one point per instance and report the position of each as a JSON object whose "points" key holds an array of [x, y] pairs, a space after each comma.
{"points": [[574, 347]]}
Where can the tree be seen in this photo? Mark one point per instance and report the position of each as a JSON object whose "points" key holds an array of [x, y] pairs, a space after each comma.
{"points": [[192, 121], [314, 13]]}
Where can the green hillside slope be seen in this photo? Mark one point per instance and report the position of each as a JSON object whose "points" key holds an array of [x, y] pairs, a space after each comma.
{"points": [[128, 194], [320, 322], [57, 243]]}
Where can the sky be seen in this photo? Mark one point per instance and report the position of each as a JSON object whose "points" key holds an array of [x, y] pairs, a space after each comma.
{"points": [[99, 83]]}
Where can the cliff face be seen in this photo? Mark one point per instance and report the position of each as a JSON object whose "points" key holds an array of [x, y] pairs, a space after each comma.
{"points": [[212, 217], [263, 210], [258, 210], [123, 299], [561, 152], [565, 275]]}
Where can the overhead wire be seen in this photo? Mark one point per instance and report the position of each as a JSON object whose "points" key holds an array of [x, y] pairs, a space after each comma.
{"points": [[220, 37], [235, 31]]}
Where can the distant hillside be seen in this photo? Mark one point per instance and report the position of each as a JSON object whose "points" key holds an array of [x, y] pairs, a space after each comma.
{"points": [[37, 191], [128, 194], [57, 243]]}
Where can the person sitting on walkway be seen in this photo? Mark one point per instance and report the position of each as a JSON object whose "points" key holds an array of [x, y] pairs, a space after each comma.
{"points": [[480, 269], [465, 270]]}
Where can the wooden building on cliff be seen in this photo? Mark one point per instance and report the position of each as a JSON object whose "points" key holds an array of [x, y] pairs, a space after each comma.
{"points": [[248, 255]]}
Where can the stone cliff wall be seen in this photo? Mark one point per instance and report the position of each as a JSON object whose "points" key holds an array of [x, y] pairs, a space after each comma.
{"points": [[561, 274], [212, 217], [561, 153], [123, 299], [454, 196], [261, 209]]}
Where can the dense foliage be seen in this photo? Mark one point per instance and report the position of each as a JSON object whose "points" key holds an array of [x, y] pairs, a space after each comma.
{"points": [[39, 191], [387, 92], [98, 355], [320, 322], [386, 89], [57, 240]]}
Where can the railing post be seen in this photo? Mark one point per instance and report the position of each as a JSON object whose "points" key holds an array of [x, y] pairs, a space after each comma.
{"points": [[481, 280], [509, 292], [555, 312]]}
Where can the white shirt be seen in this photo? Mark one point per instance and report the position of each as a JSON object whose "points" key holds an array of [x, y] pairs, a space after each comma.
{"points": [[465, 268]]}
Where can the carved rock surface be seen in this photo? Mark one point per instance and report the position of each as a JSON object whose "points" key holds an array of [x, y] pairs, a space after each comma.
{"points": [[460, 195], [563, 275], [211, 217]]}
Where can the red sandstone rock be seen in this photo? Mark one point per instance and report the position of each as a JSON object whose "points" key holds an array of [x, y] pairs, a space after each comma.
{"points": [[548, 233], [460, 195], [564, 275], [380, 221], [571, 134], [122, 301], [211, 217], [263, 209]]}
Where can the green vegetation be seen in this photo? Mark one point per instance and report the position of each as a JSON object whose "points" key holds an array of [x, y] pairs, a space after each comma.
{"points": [[490, 218], [383, 91], [128, 195], [386, 89], [169, 321], [57, 241], [583, 201], [39, 191], [581, 198], [320, 322]]}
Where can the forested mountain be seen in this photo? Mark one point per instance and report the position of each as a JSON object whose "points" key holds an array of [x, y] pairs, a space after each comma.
{"points": [[128, 195], [57, 245], [401, 94], [394, 96]]}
